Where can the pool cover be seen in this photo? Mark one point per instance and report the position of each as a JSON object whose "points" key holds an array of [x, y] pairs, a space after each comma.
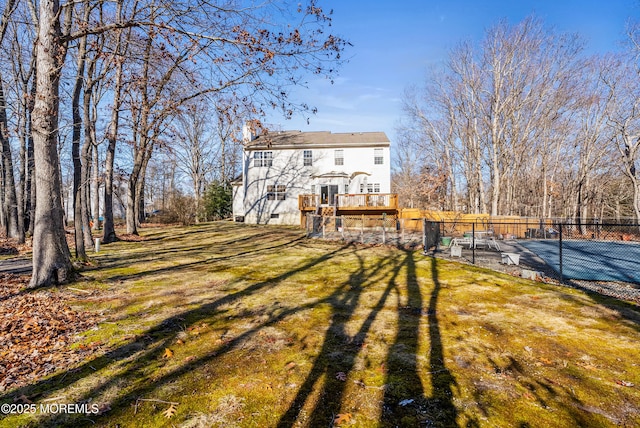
{"points": [[591, 260]]}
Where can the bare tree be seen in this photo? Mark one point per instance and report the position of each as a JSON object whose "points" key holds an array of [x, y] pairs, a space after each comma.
{"points": [[9, 197], [496, 117], [194, 148], [620, 77], [51, 256], [117, 59], [246, 54]]}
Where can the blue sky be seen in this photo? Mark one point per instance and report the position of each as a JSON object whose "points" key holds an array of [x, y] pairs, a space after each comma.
{"points": [[394, 42]]}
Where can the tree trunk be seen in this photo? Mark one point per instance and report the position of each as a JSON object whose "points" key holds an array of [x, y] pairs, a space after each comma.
{"points": [[10, 199], [51, 256], [109, 232], [87, 149], [95, 188], [78, 194], [132, 227]]}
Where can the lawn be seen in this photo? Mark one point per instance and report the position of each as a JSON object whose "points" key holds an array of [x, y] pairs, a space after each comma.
{"points": [[255, 326]]}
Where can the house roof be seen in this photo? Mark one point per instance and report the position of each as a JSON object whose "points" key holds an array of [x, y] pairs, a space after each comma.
{"points": [[321, 139]]}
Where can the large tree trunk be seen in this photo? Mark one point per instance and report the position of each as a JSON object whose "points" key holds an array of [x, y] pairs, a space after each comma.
{"points": [[51, 256]]}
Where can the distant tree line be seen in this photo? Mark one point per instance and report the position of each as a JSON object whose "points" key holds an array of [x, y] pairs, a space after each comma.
{"points": [[103, 101], [525, 123]]}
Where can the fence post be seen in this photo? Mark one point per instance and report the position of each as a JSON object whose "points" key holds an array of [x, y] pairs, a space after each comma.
{"points": [[424, 235], [384, 230], [473, 243], [308, 217], [343, 224], [362, 230], [560, 253], [323, 224]]}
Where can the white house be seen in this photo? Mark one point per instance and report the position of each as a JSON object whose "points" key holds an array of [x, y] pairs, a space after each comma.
{"points": [[278, 167]]}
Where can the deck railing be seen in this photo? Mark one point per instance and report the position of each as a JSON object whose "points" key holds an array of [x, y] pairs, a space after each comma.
{"points": [[364, 201]]}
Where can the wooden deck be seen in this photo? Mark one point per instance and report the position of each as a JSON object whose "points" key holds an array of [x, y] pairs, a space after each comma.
{"points": [[360, 203]]}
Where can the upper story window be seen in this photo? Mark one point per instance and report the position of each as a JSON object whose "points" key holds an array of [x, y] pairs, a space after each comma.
{"points": [[262, 158], [378, 157], [307, 156], [339, 156]]}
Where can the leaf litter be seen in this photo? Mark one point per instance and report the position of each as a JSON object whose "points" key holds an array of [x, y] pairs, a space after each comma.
{"points": [[37, 331]]}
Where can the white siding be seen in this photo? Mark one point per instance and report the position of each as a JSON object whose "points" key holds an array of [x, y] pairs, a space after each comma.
{"points": [[252, 200]]}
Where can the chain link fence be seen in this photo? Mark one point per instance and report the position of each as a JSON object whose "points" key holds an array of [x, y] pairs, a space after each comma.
{"points": [[591, 250]]}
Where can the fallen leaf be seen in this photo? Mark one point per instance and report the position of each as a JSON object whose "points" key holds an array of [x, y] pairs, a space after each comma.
{"points": [[342, 376], [168, 353], [290, 366], [624, 383], [342, 418], [170, 412]]}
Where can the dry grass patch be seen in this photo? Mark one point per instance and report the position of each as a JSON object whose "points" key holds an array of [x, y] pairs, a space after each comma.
{"points": [[256, 326]]}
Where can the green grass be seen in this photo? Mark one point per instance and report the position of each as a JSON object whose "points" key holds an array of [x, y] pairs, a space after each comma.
{"points": [[267, 328]]}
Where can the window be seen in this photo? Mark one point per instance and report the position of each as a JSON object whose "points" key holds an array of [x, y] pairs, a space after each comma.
{"points": [[378, 157], [339, 157], [370, 188], [346, 188], [274, 215], [313, 189], [307, 158], [276, 192], [263, 159]]}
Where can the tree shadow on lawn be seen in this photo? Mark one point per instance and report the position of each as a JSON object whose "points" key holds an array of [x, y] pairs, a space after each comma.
{"points": [[188, 248], [404, 401], [337, 355], [408, 404], [265, 245], [625, 310], [151, 345]]}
